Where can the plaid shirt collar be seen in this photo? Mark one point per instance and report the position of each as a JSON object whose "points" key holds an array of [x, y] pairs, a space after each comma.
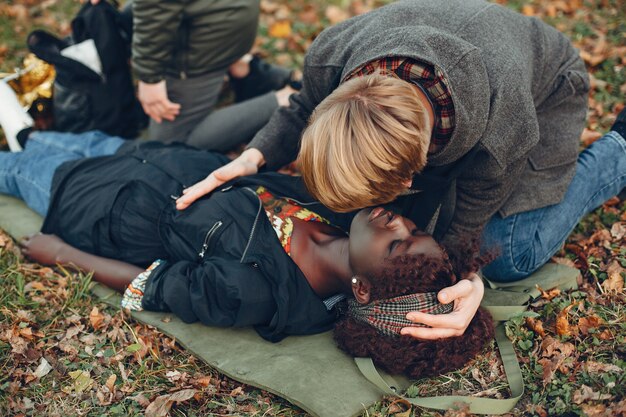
{"points": [[431, 79]]}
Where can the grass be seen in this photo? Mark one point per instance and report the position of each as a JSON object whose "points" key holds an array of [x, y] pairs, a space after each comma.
{"points": [[571, 345]]}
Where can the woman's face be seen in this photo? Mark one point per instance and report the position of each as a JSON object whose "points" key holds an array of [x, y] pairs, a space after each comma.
{"points": [[377, 235]]}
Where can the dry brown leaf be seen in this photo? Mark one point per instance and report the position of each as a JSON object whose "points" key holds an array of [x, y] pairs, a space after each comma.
{"points": [[160, 407], [204, 381], [96, 318], [173, 376], [399, 408], [548, 366], [618, 230], [336, 14], [550, 294], [358, 7], [4, 240], [597, 367], [308, 15], [589, 136], [562, 6], [551, 10], [73, 331], [26, 333], [551, 346], [562, 322], [606, 335], [536, 326], [600, 46], [18, 344], [110, 384], [141, 400], [597, 410], [601, 235], [563, 261], [104, 398], [35, 286], [615, 280], [586, 323], [16, 11], [269, 7], [585, 393]]}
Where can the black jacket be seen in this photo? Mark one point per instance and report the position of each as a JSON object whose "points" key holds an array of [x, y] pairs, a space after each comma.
{"points": [[224, 266]]}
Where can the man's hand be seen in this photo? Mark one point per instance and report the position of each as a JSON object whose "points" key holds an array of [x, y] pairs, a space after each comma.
{"points": [[247, 163], [153, 98], [44, 249], [466, 294]]}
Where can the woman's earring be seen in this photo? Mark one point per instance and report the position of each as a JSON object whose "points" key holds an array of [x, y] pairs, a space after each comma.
{"points": [[354, 281]]}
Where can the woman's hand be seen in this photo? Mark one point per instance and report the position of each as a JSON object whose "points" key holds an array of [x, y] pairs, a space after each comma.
{"points": [[466, 294], [247, 163], [44, 249], [155, 103]]}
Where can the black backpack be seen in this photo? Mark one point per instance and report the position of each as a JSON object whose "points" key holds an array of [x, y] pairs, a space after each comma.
{"points": [[83, 99]]}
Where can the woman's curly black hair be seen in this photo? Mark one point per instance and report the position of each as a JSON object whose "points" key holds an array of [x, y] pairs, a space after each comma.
{"points": [[416, 274]]}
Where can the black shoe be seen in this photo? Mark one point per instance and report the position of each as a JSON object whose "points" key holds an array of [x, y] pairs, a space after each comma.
{"points": [[262, 78], [620, 123]]}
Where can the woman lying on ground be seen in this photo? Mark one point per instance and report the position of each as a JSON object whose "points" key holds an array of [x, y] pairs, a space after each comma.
{"points": [[220, 261]]}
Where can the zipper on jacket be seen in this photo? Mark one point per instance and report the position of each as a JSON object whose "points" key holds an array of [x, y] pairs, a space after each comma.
{"points": [[312, 203], [256, 220], [207, 238]]}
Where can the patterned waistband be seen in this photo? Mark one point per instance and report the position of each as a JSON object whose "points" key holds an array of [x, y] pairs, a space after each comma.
{"points": [[389, 316]]}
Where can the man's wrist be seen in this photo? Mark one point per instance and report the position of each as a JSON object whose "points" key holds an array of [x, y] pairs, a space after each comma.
{"points": [[254, 156]]}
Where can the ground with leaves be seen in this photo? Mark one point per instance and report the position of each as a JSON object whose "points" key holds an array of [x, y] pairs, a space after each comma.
{"points": [[64, 353]]}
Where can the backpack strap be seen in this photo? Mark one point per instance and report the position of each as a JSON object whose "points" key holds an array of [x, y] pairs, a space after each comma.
{"points": [[517, 294], [476, 404]]}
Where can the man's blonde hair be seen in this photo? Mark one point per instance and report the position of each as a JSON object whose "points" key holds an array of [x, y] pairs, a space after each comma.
{"points": [[364, 141]]}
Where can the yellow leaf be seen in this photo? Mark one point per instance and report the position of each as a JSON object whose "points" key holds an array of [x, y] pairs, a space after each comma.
{"points": [[82, 381], [280, 29], [528, 10]]}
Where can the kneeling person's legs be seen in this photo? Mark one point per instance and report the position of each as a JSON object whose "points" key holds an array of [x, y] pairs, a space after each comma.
{"points": [[527, 240]]}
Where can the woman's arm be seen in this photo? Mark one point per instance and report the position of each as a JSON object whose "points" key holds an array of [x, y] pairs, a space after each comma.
{"points": [[51, 250]]}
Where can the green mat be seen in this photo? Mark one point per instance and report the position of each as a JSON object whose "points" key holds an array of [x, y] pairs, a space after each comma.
{"points": [[308, 371]]}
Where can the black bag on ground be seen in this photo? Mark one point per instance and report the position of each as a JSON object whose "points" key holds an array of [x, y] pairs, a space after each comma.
{"points": [[95, 97]]}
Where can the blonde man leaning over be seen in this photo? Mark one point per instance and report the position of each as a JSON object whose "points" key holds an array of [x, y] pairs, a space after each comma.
{"points": [[465, 115]]}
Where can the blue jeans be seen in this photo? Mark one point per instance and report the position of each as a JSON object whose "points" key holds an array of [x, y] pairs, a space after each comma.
{"points": [[527, 240], [28, 175]]}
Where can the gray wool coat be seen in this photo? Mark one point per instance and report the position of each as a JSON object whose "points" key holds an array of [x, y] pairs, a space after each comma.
{"points": [[518, 86]]}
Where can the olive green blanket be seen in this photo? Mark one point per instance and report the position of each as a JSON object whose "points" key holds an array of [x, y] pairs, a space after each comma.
{"points": [[308, 371]]}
